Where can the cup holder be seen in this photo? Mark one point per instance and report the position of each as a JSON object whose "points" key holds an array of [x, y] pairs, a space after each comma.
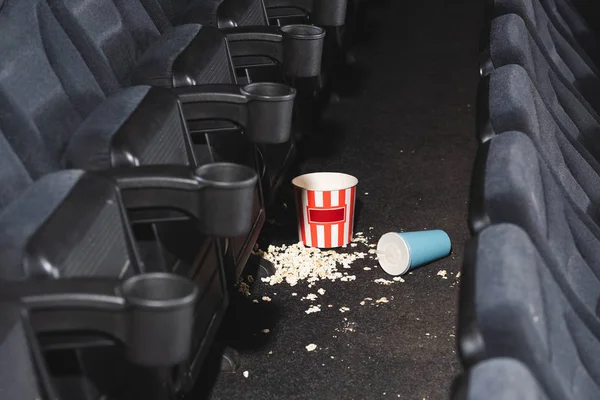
{"points": [[302, 50], [160, 318], [226, 199], [270, 109]]}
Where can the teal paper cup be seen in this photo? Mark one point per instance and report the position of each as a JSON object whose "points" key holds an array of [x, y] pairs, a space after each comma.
{"points": [[398, 253]]}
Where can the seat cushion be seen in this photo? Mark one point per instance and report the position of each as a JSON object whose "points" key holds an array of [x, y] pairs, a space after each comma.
{"points": [[138, 126]]}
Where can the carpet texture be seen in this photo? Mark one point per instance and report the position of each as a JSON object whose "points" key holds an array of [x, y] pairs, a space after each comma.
{"points": [[405, 129]]}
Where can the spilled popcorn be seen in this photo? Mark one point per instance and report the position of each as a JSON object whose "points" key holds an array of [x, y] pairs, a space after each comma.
{"points": [[442, 273], [310, 297], [382, 281], [266, 298], [295, 263], [321, 291], [344, 309], [382, 300]]}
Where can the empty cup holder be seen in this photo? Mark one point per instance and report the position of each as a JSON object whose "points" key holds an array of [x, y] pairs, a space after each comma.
{"points": [[302, 50], [270, 107], [226, 199], [159, 318]]}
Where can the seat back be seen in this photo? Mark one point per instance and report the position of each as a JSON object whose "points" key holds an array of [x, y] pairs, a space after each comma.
{"points": [[518, 188], [46, 83], [498, 379], [541, 50], [543, 22], [522, 312], [570, 145], [111, 35]]}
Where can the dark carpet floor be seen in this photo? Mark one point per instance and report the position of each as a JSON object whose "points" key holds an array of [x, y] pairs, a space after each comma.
{"points": [[407, 134]]}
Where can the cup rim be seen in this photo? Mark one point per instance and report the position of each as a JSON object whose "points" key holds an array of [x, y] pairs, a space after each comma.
{"points": [[249, 182], [328, 181], [319, 32], [127, 291], [291, 92]]}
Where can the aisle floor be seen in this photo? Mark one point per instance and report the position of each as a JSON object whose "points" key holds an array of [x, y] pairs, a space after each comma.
{"points": [[407, 135]]}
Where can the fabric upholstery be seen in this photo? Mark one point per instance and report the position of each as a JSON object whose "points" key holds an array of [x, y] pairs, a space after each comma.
{"points": [[122, 44], [519, 189], [47, 94], [569, 146], [502, 379], [19, 376], [542, 51], [558, 17], [522, 313]]}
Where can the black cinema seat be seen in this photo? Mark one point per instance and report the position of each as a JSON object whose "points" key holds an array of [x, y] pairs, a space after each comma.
{"points": [[498, 379]]}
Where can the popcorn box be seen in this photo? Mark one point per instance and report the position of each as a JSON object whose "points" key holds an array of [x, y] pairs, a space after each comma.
{"points": [[325, 208]]}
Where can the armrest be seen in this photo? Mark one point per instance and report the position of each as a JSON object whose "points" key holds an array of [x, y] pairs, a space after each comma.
{"points": [[218, 196], [298, 48], [152, 314], [328, 13], [264, 41], [263, 110]]}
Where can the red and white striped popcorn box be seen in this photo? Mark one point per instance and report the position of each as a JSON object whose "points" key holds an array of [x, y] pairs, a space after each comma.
{"points": [[325, 208]]}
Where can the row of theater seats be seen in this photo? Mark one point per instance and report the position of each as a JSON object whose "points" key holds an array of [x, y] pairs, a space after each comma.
{"points": [[529, 317], [141, 142]]}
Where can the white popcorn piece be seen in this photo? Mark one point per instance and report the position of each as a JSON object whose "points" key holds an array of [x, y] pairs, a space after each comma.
{"points": [[443, 274], [266, 298], [321, 291], [362, 303], [399, 279], [313, 309], [367, 268], [344, 309], [368, 299], [382, 300], [458, 275], [246, 374], [310, 297], [311, 347], [266, 330], [255, 301], [382, 281], [294, 294]]}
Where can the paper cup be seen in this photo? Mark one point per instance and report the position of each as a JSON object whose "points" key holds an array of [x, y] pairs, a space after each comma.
{"points": [[325, 207], [398, 253]]}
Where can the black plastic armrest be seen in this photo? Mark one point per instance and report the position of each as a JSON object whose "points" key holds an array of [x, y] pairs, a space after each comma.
{"points": [[152, 314], [218, 196], [298, 48], [262, 109], [255, 41]]}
